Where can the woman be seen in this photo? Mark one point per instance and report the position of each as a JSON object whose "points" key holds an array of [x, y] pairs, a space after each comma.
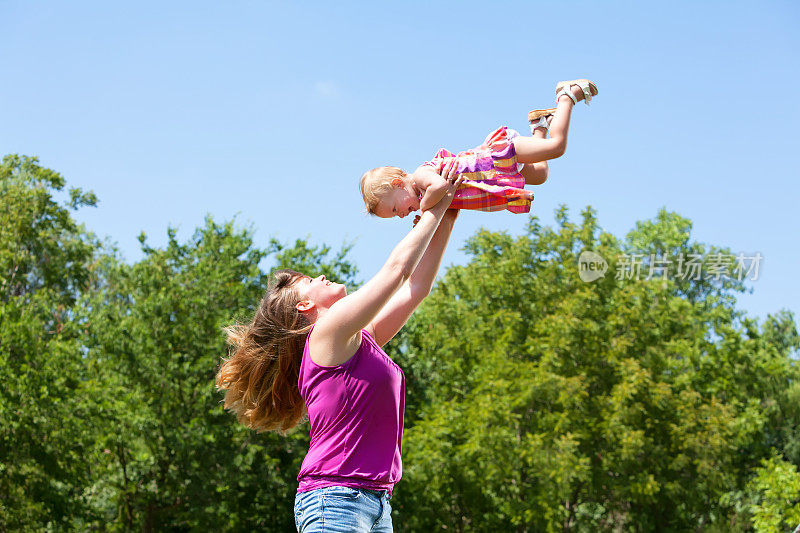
{"points": [[313, 348]]}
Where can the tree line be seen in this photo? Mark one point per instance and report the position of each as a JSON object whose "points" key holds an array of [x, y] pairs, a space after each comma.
{"points": [[535, 401]]}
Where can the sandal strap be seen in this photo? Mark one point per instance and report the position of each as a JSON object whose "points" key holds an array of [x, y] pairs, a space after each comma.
{"points": [[541, 123], [587, 91], [565, 90]]}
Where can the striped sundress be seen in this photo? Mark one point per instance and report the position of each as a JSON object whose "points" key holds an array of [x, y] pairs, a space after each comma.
{"points": [[492, 181]]}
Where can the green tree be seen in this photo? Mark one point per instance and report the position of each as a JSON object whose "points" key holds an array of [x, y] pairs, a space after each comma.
{"points": [[535, 401], [174, 458], [776, 491], [539, 402], [46, 398]]}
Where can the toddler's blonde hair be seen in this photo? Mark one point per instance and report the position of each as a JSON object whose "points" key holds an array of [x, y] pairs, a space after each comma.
{"points": [[377, 182]]}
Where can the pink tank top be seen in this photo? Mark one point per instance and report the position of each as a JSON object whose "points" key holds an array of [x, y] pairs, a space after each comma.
{"points": [[356, 414]]}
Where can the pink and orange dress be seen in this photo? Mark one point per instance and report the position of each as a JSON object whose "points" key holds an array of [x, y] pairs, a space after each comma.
{"points": [[492, 181]]}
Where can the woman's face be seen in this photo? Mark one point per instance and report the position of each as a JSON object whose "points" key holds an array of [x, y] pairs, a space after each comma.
{"points": [[320, 291]]}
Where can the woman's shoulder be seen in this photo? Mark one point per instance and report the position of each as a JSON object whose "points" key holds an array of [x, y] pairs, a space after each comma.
{"points": [[326, 353], [369, 334]]}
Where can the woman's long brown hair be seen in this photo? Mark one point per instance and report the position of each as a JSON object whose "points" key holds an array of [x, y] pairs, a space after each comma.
{"points": [[260, 375]]}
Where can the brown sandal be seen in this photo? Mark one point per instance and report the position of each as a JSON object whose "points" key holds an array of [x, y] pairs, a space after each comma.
{"points": [[536, 114]]}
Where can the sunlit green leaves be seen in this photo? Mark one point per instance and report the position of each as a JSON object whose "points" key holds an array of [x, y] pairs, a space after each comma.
{"points": [[543, 403], [534, 401]]}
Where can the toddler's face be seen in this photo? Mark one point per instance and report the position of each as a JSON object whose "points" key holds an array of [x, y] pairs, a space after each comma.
{"points": [[398, 202]]}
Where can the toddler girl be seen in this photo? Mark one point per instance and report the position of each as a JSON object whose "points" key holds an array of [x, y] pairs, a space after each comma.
{"points": [[494, 173]]}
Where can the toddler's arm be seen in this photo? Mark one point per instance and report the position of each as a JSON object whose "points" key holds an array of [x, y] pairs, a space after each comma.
{"points": [[434, 185]]}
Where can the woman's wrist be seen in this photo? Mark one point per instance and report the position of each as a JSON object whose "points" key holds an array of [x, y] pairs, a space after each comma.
{"points": [[440, 208]]}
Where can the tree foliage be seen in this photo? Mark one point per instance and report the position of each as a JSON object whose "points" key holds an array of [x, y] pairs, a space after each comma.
{"points": [[543, 403], [534, 401], [178, 459], [776, 491], [46, 261]]}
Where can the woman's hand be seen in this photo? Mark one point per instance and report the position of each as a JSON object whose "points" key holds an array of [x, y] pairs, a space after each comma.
{"points": [[450, 170], [449, 193], [452, 179], [435, 182]]}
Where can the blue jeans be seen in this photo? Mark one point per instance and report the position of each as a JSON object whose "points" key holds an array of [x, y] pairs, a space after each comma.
{"points": [[342, 509]]}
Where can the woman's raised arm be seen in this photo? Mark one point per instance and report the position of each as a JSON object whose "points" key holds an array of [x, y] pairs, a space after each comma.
{"points": [[336, 334], [397, 311]]}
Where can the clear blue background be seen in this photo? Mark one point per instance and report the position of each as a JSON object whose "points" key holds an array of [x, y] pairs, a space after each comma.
{"points": [[271, 111]]}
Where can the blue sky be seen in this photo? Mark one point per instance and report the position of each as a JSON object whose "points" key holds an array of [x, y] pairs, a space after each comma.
{"points": [[270, 112]]}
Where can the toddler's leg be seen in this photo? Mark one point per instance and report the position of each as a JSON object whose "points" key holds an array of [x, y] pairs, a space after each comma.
{"points": [[533, 149], [536, 173]]}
